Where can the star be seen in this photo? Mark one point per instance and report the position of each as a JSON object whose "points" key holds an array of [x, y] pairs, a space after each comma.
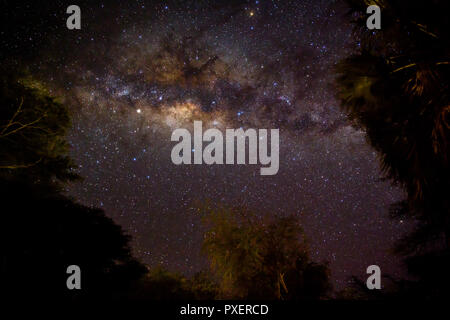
{"points": [[149, 70]]}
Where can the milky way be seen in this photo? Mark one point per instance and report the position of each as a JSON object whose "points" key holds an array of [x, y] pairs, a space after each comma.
{"points": [[138, 70]]}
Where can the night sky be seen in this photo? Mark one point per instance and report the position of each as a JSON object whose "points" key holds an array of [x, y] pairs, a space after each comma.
{"points": [[137, 70]]}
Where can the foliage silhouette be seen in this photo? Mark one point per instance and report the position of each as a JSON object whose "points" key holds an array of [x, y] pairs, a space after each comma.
{"points": [[261, 258], [43, 231], [161, 284], [33, 126], [395, 87], [43, 235]]}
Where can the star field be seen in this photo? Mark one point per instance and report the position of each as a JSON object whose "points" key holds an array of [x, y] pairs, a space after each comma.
{"points": [[138, 70]]}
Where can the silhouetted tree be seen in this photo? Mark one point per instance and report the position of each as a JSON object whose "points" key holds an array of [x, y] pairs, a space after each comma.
{"points": [[33, 126], [43, 232], [396, 88], [203, 286], [161, 284], [43, 235], [262, 258]]}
